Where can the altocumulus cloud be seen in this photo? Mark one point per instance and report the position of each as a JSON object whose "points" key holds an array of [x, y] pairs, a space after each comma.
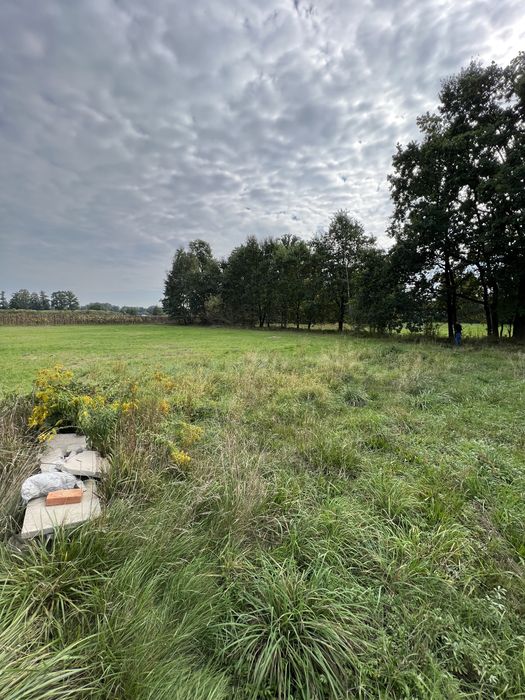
{"points": [[127, 128]]}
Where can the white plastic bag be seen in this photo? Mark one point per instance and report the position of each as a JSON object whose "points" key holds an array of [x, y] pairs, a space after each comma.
{"points": [[42, 484]]}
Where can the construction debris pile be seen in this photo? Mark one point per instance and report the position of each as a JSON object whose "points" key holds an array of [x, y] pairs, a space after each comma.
{"points": [[64, 493]]}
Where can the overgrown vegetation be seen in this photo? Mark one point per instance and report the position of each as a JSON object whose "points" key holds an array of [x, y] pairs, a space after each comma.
{"points": [[349, 524]]}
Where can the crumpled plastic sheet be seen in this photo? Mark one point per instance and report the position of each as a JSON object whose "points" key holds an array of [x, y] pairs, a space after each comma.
{"points": [[42, 484]]}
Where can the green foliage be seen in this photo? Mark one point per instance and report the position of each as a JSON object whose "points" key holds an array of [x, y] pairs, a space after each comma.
{"points": [[458, 197], [64, 300], [193, 279]]}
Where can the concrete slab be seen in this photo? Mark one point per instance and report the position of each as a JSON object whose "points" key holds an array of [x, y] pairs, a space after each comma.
{"points": [[88, 463], [64, 443], [52, 457], [54, 467], [40, 520]]}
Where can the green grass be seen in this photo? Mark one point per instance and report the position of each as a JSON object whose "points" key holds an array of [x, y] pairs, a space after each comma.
{"points": [[351, 524], [26, 349]]}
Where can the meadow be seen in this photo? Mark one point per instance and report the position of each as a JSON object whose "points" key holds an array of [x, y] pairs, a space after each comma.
{"points": [[288, 515]]}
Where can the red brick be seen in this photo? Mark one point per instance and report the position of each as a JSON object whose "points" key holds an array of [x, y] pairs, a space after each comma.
{"points": [[63, 497]]}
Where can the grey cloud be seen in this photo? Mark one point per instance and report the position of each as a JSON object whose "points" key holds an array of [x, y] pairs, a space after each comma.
{"points": [[129, 128]]}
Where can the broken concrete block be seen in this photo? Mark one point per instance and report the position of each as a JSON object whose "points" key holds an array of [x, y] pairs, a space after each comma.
{"points": [[64, 443], [41, 520], [60, 498], [88, 463], [75, 447], [47, 468], [52, 457]]}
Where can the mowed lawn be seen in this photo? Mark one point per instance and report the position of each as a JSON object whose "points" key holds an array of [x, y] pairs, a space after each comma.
{"points": [[351, 523], [25, 349]]}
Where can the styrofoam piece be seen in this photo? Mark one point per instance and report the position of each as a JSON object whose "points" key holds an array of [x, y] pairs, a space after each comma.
{"points": [[41, 520]]}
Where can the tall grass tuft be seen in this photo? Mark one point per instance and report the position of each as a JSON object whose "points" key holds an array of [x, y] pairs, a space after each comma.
{"points": [[18, 458], [295, 634]]}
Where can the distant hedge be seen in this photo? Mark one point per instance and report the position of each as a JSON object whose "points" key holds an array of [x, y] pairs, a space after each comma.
{"points": [[23, 317]]}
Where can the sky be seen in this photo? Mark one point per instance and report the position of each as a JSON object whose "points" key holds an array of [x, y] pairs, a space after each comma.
{"points": [[129, 128]]}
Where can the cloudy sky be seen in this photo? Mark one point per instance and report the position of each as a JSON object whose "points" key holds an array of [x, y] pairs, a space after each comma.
{"points": [[128, 128]]}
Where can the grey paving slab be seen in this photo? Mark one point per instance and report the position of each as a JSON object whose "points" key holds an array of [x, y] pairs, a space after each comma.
{"points": [[87, 463], [52, 457], [42, 520], [64, 443]]}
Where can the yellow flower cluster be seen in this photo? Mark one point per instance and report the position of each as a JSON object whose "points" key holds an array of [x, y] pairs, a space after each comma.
{"points": [[38, 416], [165, 381], [179, 457], [164, 406], [54, 375], [61, 400], [190, 434], [92, 401], [51, 384], [47, 435]]}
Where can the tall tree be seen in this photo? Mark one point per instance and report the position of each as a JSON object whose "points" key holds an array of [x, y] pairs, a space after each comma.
{"points": [[194, 278], [4, 304], [63, 300], [35, 301], [206, 278], [424, 190], [459, 196], [45, 304], [291, 257], [377, 301], [481, 125], [340, 252], [20, 299], [245, 292], [514, 174]]}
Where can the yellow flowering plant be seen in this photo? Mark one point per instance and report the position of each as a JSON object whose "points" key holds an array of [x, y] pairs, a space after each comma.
{"points": [[53, 407], [189, 434], [63, 401]]}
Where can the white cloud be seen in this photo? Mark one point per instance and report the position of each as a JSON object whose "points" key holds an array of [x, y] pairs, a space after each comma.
{"points": [[129, 128]]}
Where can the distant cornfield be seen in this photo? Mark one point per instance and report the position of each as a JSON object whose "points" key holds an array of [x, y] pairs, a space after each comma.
{"points": [[24, 317]]}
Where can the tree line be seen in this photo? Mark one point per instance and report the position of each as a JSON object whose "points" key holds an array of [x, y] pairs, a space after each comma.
{"points": [[23, 299], [40, 301], [457, 232]]}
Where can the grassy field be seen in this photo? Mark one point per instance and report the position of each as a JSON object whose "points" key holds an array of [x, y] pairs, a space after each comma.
{"points": [[26, 349], [350, 523]]}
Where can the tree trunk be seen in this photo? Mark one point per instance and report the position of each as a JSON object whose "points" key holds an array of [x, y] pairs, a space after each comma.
{"points": [[518, 332], [486, 308], [494, 311], [341, 320], [451, 299]]}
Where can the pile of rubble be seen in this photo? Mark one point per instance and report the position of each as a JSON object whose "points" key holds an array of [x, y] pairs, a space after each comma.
{"points": [[66, 454]]}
